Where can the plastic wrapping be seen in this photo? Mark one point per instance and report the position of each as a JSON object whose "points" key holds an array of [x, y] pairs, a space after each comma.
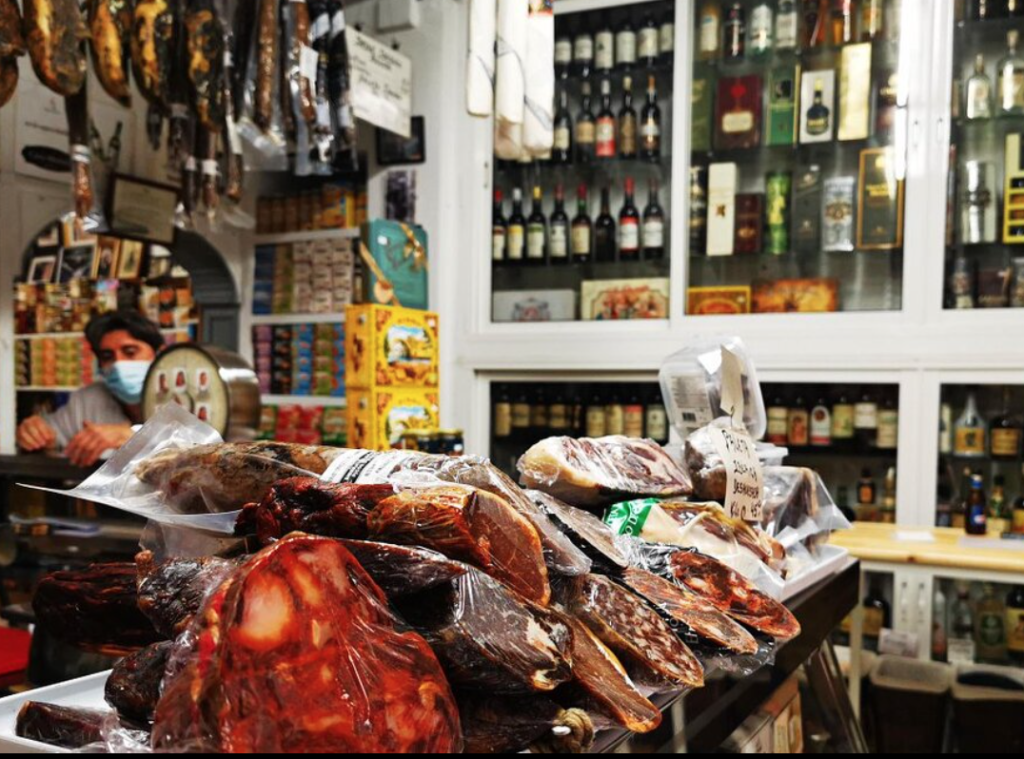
{"points": [[655, 656], [133, 688], [692, 384], [497, 725], [303, 621], [343, 118], [88, 206], [403, 571], [596, 473], [60, 726], [172, 592], [798, 508], [609, 552], [257, 124]]}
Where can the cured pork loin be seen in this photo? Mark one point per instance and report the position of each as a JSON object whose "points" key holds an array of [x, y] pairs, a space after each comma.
{"points": [[171, 593], [59, 726], [95, 609], [597, 540], [596, 473], [306, 504], [133, 688], [654, 655], [467, 525], [729, 592], [403, 571], [54, 33], [699, 616], [490, 639], [297, 651]]}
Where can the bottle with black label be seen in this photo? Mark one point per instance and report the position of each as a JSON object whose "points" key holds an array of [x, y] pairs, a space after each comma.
{"points": [[1015, 625], [562, 152], [503, 415], [558, 235], [604, 48], [499, 230], [736, 33], [648, 41], [597, 421], [604, 231], [698, 210], [582, 230]]}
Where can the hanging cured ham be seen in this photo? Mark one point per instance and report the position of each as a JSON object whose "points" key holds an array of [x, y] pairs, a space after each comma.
{"points": [[54, 33], [110, 29]]}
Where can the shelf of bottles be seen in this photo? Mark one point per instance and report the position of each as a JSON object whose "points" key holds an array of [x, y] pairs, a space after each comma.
{"points": [[796, 193], [848, 434], [985, 225], [878, 605], [584, 234], [524, 413], [981, 457], [978, 623]]}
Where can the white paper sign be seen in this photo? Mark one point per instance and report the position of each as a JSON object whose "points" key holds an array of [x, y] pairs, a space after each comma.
{"points": [[892, 643], [744, 497], [381, 84]]}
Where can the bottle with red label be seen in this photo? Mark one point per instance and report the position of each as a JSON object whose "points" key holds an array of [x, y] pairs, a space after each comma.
{"points": [[607, 125], [629, 225], [821, 425]]}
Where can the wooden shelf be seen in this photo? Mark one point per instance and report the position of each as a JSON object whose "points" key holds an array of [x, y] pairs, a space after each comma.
{"points": [[291, 320], [305, 400], [308, 236], [39, 389], [81, 335]]}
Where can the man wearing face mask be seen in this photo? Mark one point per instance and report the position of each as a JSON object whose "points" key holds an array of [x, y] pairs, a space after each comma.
{"points": [[100, 418]]}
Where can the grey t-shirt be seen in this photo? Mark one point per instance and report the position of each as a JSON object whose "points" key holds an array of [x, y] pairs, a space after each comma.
{"points": [[90, 404]]}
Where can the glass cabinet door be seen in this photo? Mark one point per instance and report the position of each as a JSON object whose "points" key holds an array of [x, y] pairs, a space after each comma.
{"points": [[798, 162], [583, 234], [985, 226]]}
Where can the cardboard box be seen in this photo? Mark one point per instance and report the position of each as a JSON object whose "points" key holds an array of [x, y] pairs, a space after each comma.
{"points": [[391, 347], [718, 301], [880, 206], [804, 296], [749, 223], [817, 125], [738, 113], [395, 263], [378, 418], [701, 114], [723, 180], [783, 105], [775, 728], [625, 299], [855, 93], [535, 306]]}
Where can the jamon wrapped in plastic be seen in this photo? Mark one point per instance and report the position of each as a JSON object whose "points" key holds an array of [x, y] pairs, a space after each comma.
{"points": [[60, 726], [597, 473], [596, 539], [402, 570], [171, 593], [467, 525], [298, 651], [707, 468]]}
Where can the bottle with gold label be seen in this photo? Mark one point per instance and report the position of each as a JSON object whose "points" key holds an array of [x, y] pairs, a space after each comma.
{"points": [[842, 419], [970, 434], [521, 411], [503, 415], [1007, 431], [634, 416], [1015, 625], [596, 421], [990, 620]]}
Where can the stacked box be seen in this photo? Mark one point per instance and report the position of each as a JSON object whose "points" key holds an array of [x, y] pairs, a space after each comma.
{"points": [[304, 360], [283, 280], [314, 277], [263, 286], [283, 361], [305, 425], [54, 362], [263, 351]]}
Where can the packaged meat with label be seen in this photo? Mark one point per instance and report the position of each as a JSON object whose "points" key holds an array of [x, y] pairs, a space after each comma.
{"points": [[501, 725], [303, 621], [593, 474], [489, 639], [133, 688], [404, 571], [171, 593], [467, 525], [654, 655], [602, 688], [596, 539], [729, 592]]}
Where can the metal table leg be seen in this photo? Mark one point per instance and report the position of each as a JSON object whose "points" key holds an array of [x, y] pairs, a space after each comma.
{"points": [[826, 680]]}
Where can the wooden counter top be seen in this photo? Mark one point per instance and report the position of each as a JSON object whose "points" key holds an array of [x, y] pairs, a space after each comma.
{"points": [[930, 547]]}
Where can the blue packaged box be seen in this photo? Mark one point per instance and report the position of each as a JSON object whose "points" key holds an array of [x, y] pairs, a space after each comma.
{"points": [[394, 259]]}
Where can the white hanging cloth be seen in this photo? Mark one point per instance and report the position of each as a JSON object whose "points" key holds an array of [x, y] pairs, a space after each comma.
{"points": [[539, 124], [480, 73], [510, 105]]}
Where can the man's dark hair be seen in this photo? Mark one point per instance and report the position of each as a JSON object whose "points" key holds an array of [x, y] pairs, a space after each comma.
{"points": [[132, 322]]}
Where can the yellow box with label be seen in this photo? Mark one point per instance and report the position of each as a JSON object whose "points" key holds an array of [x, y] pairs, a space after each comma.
{"points": [[391, 347], [377, 418]]}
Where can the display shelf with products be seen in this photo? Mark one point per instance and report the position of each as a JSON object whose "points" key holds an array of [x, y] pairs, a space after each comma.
{"points": [[287, 238], [978, 623]]}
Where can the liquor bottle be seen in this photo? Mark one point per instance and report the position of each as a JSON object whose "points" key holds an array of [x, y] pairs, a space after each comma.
{"points": [[656, 419], [976, 513], [583, 52], [984, 10], [582, 230], [877, 614], [629, 225], [563, 52], [607, 124], [978, 204], [787, 26], [821, 425], [736, 33], [710, 31], [780, 188], [537, 231], [561, 152], [634, 416], [597, 423], [980, 103], [604, 48], [698, 210], [615, 413], [558, 235], [778, 422], [654, 227], [946, 429], [843, 414], [499, 230], [991, 622], [762, 22], [1007, 431], [1017, 528], [872, 24], [999, 517], [1014, 8], [516, 230], [1015, 625], [843, 22], [940, 631], [650, 124], [816, 18], [648, 41], [819, 116], [628, 125], [1010, 90], [971, 432], [586, 129], [667, 37], [521, 413], [558, 414], [867, 489], [888, 426], [625, 46], [962, 647], [604, 231], [503, 415], [799, 424], [889, 498], [865, 421], [539, 420]]}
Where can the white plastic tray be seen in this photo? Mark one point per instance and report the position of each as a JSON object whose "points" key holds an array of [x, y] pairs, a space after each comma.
{"points": [[86, 693], [833, 559]]}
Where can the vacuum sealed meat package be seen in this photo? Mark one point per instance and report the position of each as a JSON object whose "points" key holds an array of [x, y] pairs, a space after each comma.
{"points": [[172, 592], [133, 688], [504, 725], [403, 571], [298, 651], [60, 726], [597, 473], [596, 539]]}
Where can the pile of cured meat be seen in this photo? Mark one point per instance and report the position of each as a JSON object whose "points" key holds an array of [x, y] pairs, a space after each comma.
{"points": [[405, 603]]}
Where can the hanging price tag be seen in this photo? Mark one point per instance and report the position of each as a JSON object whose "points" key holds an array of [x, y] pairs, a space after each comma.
{"points": [[744, 474], [733, 400]]}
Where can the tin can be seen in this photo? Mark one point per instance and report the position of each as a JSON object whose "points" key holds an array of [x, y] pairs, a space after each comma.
{"points": [[779, 188]]}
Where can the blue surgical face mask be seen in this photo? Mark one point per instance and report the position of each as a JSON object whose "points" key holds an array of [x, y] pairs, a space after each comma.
{"points": [[126, 380]]}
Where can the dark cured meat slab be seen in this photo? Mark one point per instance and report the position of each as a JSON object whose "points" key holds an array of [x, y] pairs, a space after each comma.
{"points": [[95, 608], [594, 537], [728, 592], [468, 525], [133, 688], [496, 725], [699, 616], [171, 593], [298, 651], [59, 726], [310, 505], [404, 571]]}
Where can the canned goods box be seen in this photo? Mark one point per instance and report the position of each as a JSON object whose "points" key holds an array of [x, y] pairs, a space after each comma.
{"points": [[390, 347], [378, 418]]}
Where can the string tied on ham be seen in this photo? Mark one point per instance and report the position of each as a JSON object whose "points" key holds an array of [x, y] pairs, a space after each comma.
{"points": [[572, 734]]}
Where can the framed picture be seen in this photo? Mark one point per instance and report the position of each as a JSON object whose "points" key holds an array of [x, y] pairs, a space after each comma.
{"points": [[42, 270], [395, 150], [143, 210], [130, 262], [105, 260], [76, 263], [50, 238]]}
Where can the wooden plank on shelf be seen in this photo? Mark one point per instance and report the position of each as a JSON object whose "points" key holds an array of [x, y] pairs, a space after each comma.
{"points": [[304, 400], [309, 236], [40, 389], [290, 320]]}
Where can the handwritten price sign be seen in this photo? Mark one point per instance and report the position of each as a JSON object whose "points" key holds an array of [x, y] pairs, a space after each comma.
{"points": [[745, 475]]}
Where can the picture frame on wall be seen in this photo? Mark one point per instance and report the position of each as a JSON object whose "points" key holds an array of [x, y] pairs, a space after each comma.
{"points": [[395, 150], [105, 260], [76, 264], [42, 269], [143, 210], [130, 261]]}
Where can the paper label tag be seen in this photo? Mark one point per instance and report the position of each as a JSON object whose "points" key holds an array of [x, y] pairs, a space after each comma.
{"points": [[733, 401], [309, 62], [907, 645], [629, 518], [744, 498], [367, 467], [962, 652], [691, 402]]}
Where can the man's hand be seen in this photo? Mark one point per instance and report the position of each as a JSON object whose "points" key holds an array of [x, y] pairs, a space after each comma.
{"points": [[36, 435], [95, 440]]}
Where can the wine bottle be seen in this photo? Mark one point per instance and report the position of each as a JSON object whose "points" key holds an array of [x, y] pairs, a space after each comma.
{"points": [[650, 124], [604, 231], [629, 225], [582, 230], [499, 233], [654, 227], [558, 231]]}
